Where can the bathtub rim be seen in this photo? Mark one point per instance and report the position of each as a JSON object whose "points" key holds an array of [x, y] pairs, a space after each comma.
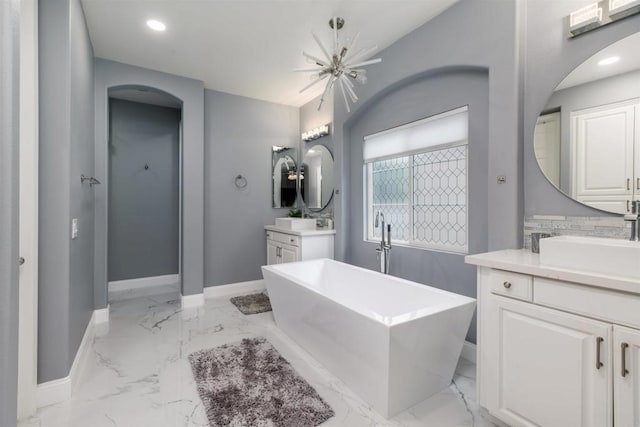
{"points": [[387, 321]]}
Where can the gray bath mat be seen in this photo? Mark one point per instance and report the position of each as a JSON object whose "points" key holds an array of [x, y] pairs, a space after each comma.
{"points": [[252, 304], [250, 384]]}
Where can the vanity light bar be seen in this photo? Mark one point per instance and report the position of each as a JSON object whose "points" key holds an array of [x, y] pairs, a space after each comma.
{"points": [[599, 14], [316, 133], [585, 19], [621, 8]]}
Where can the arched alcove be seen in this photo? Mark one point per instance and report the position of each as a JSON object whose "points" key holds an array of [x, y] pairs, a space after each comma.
{"points": [[113, 76], [413, 98], [144, 188]]}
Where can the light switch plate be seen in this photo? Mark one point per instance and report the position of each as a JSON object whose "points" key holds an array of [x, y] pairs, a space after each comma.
{"points": [[74, 228]]}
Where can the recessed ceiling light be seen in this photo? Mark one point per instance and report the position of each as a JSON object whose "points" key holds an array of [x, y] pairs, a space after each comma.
{"points": [[610, 60], [156, 25]]}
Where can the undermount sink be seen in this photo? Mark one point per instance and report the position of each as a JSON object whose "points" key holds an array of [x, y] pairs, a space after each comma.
{"points": [[592, 254], [296, 224]]}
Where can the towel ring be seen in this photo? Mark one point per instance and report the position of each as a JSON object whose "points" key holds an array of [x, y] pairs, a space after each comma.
{"points": [[241, 182]]}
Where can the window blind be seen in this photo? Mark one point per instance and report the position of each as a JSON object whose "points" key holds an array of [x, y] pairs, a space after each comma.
{"points": [[446, 128]]}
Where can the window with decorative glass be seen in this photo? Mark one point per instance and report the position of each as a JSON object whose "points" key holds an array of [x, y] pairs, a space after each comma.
{"points": [[416, 175]]}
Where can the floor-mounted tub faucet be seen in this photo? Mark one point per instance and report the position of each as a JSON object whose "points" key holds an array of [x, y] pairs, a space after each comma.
{"points": [[384, 250], [634, 217]]}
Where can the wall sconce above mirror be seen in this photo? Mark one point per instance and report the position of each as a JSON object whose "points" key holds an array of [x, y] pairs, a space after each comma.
{"points": [[284, 177], [316, 133], [599, 14], [587, 139], [316, 178]]}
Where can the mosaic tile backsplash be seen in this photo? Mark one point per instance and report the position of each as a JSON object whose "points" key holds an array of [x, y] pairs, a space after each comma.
{"points": [[557, 225]]}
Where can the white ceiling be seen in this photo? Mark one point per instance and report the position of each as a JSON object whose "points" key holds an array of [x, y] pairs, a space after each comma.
{"points": [[627, 49], [245, 47]]}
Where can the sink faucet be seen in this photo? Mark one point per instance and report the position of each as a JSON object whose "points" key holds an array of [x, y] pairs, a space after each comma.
{"points": [[384, 250], [634, 217]]}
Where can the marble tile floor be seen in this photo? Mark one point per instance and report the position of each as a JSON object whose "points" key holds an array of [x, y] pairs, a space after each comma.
{"points": [[138, 374]]}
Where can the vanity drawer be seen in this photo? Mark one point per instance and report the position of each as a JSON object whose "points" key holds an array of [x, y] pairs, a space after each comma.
{"points": [[513, 285], [603, 304], [288, 239]]}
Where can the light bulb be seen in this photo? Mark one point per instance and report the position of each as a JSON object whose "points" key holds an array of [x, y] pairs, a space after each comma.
{"points": [[156, 25]]}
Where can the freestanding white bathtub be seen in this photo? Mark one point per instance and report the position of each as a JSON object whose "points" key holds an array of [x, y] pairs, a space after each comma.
{"points": [[392, 341]]}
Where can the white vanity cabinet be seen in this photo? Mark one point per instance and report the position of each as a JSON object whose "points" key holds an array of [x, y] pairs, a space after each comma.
{"points": [[554, 352], [290, 245]]}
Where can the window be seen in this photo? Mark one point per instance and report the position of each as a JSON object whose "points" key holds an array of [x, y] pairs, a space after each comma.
{"points": [[416, 175]]}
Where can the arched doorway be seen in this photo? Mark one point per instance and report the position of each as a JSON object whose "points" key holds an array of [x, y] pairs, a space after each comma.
{"points": [[144, 192]]}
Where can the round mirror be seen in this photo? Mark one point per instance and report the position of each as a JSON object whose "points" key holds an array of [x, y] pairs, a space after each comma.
{"points": [[285, 176], [316, 178], [587, 138]]}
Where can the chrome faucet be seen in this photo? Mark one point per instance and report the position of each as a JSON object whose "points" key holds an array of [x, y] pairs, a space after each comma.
{"points": [[384, 250], [634, 217]]}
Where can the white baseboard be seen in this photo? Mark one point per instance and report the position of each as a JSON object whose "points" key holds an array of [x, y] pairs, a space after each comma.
{"points": [[189, 301], [144, 282], [102, 315], [60, 390], [469, 352], [234, 289]]}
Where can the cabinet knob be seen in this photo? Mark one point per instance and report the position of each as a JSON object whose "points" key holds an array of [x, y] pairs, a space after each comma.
{"points": [[20, 261], [507, 285]]}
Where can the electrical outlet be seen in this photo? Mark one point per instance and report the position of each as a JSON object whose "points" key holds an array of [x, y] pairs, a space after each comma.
{"points": [[74, 228]]}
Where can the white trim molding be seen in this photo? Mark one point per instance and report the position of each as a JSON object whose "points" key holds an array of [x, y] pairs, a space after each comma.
{"points": [[60, 390], [101, 316], [469, 352], [144, 282], [190, 301], [234, 289]]}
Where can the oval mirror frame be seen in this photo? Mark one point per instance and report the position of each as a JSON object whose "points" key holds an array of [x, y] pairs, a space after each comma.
{"points": [[316, 178], [284, 178], [584, 141]]}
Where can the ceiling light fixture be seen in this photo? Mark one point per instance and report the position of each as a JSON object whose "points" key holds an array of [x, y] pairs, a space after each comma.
{"points": [[609, 61], [341, 66], [156, 25]]}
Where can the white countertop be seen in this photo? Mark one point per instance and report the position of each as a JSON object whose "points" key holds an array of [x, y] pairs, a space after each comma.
{"points": [[317, 232], [526, 262]]}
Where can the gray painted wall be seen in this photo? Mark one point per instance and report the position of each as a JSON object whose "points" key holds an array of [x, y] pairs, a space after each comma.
{"points": [[600, 92], [239, 133], [143, 203], [492, 44], [422, 98], [549, 57], [65, 297], [110, 74], [9, 126]]}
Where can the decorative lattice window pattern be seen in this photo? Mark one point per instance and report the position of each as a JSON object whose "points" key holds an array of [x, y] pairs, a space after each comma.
{"points": [[423, 196]]}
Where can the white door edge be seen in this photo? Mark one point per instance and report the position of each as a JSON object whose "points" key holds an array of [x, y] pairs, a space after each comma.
{"points": [[28, 218]]}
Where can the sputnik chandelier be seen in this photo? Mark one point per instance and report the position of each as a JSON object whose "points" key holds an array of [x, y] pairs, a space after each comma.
{"points": [[342, 66]]}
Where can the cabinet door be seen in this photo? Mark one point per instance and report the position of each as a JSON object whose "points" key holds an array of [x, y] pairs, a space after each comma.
{"points": [[540, 367], [626, 343], [288, 253], [272, 253], [602, 154]]}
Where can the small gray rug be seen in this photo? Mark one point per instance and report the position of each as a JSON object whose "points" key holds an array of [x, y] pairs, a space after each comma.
{"points": [[252, 304], [250, 384]]}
